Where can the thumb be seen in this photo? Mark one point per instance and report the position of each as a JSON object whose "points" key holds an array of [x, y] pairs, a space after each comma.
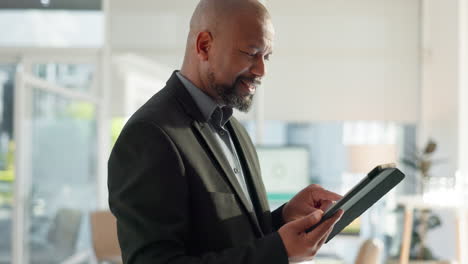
{"points": [[305, 222]]}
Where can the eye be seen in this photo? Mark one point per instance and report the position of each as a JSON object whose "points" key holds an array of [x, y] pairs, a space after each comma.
{"points": [[248, 53], [267, 57]]}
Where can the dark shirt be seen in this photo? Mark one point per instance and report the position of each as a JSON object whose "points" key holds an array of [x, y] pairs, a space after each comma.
{"points": [[217, 116]]}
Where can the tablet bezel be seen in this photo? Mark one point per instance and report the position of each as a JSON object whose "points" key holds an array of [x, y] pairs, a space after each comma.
{"points": [[366, 185]]}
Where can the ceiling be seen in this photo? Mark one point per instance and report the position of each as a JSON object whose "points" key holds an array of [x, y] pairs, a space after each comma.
{"points": [[51, 4]]}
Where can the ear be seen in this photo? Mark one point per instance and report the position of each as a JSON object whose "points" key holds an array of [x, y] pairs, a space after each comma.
{"points": [[203, 44]]}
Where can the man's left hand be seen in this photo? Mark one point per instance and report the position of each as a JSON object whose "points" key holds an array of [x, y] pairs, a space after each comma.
{"points": [[308, 200]]}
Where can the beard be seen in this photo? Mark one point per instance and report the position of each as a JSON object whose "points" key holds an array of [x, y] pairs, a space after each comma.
{"points": [[229, 94]]}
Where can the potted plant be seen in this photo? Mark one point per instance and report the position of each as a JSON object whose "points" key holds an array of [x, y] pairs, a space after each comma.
{"points": [[424, 220], [421, 161]]}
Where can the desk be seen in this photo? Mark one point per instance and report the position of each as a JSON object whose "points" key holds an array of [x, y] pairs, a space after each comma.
{"points": [[323, 261], [327, 261], [325, 258], [417, 202]]}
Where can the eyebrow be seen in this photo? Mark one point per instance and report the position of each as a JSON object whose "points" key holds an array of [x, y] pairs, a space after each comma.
{"points": [[257, 48]]}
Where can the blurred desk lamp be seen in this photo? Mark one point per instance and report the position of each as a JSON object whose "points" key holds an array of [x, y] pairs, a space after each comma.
{"points": [[361, 160]]}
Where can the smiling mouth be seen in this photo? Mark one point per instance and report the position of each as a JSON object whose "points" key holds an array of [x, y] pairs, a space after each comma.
{"points": [[249, 86]]}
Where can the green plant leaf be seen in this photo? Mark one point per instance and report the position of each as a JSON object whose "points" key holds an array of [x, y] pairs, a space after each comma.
{"points": [[433, 222], [427, 254], [431, 146]]}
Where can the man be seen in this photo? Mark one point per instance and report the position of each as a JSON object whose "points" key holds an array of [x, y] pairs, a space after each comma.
{"points": [[184, 177]]}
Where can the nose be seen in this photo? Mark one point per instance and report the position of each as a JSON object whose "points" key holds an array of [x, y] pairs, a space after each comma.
{"points": [[259, 67]]}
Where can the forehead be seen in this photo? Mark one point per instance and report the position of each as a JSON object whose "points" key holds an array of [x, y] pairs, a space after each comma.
{"points": [[254, 31]]}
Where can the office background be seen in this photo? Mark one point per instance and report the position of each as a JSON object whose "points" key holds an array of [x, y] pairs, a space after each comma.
{"points": [[347, 77]]}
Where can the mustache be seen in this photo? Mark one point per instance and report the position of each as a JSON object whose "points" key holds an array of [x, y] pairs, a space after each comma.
{"points": [[253, 80]]}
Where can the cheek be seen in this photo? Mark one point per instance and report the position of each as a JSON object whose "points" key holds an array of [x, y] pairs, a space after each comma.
{"points": [[238, 69], [229, 66]]}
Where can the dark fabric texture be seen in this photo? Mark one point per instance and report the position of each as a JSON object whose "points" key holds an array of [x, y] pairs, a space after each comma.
{"points": [[175, 196]]}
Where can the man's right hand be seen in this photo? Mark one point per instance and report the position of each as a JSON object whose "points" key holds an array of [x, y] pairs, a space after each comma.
{"points": [[302, 246]]}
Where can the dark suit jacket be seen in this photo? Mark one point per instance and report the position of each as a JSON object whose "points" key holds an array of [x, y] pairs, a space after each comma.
{"points": [[175, 196]]}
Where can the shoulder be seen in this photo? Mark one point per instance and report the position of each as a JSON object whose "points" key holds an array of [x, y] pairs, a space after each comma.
{"points": [[162, 110]]}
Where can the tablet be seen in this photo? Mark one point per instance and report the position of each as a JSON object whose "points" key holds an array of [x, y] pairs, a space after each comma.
{"points": [[369, 190]]}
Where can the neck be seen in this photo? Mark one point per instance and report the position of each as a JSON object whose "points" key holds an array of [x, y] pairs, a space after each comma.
{"points": [[194, 76]]}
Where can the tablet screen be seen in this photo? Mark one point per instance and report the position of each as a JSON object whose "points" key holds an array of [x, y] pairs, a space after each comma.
{"points": [[360, 190], [362, 196]]}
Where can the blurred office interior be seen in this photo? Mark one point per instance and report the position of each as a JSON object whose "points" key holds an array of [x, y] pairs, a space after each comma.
{"points": [[352, 83]]}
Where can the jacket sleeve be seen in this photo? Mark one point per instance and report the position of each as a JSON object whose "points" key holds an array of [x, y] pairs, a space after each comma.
{"points": [[277, 218], [148, 194]]}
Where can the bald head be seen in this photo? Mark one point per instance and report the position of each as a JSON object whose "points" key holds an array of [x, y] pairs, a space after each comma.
{"points": [[210, 15], [229, 40]]}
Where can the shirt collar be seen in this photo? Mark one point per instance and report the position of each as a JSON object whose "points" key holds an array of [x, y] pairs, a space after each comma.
{"points": [[206, 104]]}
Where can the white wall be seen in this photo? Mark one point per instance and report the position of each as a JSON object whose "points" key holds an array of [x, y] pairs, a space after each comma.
{"points": [[344, 60], [334, 60], [154, 29], [444, 113], [463, 114], [439, 90], [463, 97], [147, 40], [51, 28], [136, 79], [151, 25]]}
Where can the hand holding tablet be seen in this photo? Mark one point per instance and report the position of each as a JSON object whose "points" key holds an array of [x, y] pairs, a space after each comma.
{"points": [[369, 190]]}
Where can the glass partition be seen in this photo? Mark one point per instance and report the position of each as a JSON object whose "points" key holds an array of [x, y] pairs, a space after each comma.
{"points": [[58, 161], [78, 77], [7, 159], [63, 175]]}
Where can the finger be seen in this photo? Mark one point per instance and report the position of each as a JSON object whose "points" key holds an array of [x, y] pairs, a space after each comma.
{"points": [[339, 214], [305, 222], [320, 231], [306, 210], [324, 238], [325, 204], [327, 195]]}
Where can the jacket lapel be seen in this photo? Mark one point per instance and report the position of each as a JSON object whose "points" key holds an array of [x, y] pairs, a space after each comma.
{"points": [[213, 146], [248, 154], [209, 142]]}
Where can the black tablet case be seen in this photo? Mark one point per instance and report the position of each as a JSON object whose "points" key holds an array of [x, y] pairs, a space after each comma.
{"points": [[394, 177]]}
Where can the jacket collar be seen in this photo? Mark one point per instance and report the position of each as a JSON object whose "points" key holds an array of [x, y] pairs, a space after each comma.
{"points": [[184, 98], [202, 130]]}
